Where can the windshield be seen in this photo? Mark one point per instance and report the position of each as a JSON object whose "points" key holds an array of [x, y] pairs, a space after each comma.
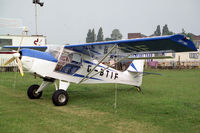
{"points": [[54, 50]]}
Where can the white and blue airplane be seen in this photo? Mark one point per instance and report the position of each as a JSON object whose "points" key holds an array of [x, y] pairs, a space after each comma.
{"points": [[83, 63]]}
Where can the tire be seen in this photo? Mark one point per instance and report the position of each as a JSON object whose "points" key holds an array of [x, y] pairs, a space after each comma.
{"points": [[60, 98], [31, 92]]}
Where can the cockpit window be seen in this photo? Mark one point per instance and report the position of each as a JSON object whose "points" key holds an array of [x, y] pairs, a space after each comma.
{"points": [[69, 62], [76, 58]]}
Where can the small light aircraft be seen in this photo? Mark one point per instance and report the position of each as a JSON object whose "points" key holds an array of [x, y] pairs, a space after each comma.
{"points": [[83, 63]]}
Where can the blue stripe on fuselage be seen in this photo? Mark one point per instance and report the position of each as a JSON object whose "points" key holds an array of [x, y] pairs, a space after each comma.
{"points": [[82, 76], [38, 54]]}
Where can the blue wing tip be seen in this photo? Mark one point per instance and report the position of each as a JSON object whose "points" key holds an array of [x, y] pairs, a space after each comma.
{"points": [[183, 40]]}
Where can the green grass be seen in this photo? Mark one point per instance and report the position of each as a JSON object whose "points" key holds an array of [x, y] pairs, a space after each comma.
{"points": [[170, 104]]}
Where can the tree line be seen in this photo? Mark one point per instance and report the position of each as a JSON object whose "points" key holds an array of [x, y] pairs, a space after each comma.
{"points": [[166, 31], [92, 37], [116, 34]]}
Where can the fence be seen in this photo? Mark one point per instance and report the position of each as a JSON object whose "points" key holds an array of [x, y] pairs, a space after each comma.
{"points": [[12, 67], [9, 69], [173, 64]]}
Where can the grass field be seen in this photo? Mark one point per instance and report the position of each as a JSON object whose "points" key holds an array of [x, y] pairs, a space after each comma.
{"points": [[169, 104]]}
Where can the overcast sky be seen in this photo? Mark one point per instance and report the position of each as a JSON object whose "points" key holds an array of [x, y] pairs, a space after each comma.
{"points": [[68, 21]]}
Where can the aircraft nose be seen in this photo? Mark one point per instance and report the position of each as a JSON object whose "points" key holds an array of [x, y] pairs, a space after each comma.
{"points": [[17, 55]]}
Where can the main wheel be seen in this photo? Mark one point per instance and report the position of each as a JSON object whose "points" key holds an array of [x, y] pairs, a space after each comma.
{"points": [[60, 98], [31, 92]]}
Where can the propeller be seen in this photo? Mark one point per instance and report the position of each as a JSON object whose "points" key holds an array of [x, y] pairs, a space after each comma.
{"points": [[16, 56]]}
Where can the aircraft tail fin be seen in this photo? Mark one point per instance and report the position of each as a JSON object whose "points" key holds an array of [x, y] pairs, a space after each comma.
{"points": [[135, 72], [136, 66]]}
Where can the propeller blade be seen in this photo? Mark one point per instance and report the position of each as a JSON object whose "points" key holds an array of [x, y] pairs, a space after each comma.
{"points": [[9, 61], [21, 39], [20, 66]]}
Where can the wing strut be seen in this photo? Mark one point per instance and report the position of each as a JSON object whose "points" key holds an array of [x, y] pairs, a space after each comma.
{"points": [[86, 76]]}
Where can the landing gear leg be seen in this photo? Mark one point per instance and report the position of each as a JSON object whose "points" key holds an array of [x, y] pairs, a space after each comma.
{"points": [[60, 96], [35, 91]]}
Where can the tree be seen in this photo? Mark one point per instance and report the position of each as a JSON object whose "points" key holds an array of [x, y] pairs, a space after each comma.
{"points": [[183, 31], [93, 36], [108, 39], [100, 35], [189, 35], [116, 35], [165, 30], [90, 36], [158, 31]]}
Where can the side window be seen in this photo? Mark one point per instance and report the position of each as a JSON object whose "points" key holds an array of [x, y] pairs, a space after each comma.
{"points": [[76, 59], [69, 63], [173, 55], [193, 55], [4, 42]]}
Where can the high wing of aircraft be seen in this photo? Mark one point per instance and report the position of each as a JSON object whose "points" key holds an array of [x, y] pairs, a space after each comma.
{"points": [[83, 63]]}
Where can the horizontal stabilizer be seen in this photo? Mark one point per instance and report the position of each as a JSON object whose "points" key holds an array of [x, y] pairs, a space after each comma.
{"points": [[146, 73]]}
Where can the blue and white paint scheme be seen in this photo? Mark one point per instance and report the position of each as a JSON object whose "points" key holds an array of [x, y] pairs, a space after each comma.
{"points": [[83, 63]]}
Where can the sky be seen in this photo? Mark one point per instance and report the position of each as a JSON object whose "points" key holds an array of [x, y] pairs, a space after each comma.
{"points": [[68, 21]]}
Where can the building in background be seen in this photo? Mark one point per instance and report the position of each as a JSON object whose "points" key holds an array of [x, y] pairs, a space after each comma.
{"points": [[14, 40], [196, 40], [135, 35], [181, 59]]}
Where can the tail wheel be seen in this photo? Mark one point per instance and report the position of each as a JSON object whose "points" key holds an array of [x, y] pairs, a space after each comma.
{"points": [[60, 98], [139, 89], [31, 92]]}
